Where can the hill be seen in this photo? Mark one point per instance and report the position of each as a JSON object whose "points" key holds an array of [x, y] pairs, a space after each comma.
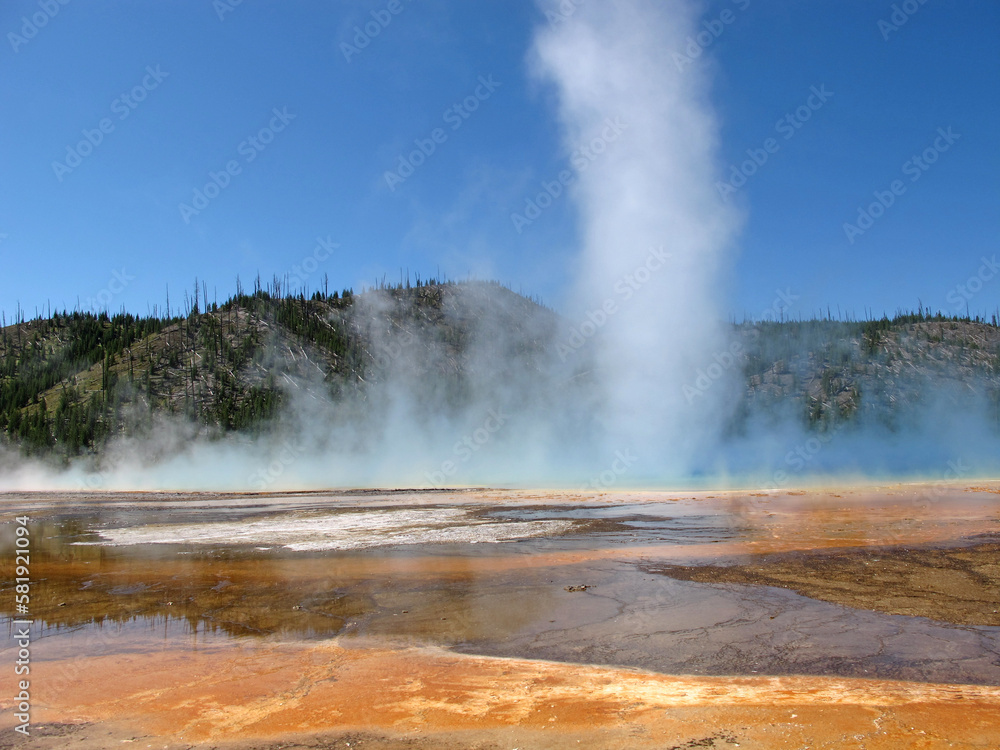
{"points": [[71, 382]]}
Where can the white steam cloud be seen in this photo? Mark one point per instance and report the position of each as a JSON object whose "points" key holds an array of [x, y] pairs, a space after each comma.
{"points": [[655, 232], [641, 383]]}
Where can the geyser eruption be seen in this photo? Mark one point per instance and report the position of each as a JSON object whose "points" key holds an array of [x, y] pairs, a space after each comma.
{"points": [[472, 384], [639, 383], [654, 230]]}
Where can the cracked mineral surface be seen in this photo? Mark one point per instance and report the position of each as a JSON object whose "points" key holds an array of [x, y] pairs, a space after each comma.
{"points": [[848, 617]]}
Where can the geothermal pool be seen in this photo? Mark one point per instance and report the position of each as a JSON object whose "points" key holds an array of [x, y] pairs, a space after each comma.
{"points": [[854, 617]]}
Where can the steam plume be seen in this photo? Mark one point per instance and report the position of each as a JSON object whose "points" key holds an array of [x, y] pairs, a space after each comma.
{"points": [[655, 232]]}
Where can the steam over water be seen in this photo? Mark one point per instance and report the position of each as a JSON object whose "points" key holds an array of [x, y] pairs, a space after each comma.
{"points": [[602, 410], [641, 382]]}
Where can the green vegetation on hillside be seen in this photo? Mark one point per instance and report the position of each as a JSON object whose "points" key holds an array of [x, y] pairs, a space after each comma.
{"points": [[73, 381], [70, 382]]}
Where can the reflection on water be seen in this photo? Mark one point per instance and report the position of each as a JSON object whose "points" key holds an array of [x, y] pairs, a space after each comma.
{"points": [[183, 573], [54, 642]]}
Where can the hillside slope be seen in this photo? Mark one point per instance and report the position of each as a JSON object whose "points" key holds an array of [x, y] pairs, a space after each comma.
{"points": [[71, 382]]}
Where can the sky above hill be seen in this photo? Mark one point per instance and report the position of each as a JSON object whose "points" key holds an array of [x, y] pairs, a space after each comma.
{"points": [[144, 144]]}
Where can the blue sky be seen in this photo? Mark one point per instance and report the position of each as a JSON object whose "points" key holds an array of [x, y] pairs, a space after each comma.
{"points": [[105, 224]]}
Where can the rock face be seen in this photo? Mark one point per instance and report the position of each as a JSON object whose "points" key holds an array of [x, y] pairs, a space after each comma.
{"points": [[828, 371]]}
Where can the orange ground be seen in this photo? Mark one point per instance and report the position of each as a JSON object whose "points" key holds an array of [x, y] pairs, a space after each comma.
{"points": [[247, 693], [259, 692]]}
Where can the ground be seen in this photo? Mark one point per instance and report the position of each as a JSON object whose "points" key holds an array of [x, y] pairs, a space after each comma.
{"points": [[845, 618]]}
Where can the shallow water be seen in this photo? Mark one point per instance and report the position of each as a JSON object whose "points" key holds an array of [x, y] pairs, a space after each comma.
{"points": [[491, 572]]}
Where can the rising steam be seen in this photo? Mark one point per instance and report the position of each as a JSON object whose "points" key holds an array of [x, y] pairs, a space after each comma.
{"points": [[655, 232], [640, 383]]}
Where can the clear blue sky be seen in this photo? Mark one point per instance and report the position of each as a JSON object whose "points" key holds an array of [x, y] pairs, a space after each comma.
{"points": [[65, 232]]}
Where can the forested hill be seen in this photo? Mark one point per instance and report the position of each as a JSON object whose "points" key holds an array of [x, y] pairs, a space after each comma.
{"points": [[71, 382]]}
